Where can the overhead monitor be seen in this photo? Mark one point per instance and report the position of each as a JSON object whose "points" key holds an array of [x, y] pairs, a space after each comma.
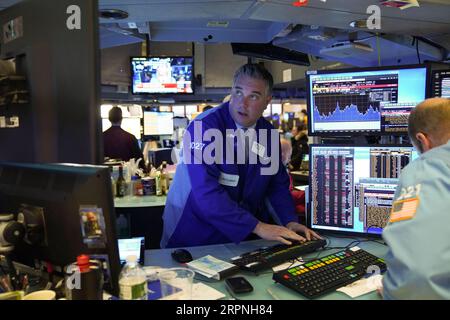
{"points": [[365, 100], [352, 187], [67, 210], [162, 75], [158, 123], [441, 84], [131, 125]]}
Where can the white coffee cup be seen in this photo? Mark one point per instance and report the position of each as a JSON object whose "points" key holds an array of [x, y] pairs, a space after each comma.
{"points": [[41, 295]]}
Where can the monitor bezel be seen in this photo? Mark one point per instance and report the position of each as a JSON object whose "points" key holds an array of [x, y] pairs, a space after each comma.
{"points": [[432, 82], [162, 94], [81, 174], [309, 198], [147, 136], [349, 70]]}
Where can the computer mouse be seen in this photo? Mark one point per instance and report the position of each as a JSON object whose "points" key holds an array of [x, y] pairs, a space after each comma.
{"points": [[181, 255]]}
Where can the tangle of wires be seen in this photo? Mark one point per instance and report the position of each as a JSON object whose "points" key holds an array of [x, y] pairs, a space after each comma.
{"points": [[355, 241]]}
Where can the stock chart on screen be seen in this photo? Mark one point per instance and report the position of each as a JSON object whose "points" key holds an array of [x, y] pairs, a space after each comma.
{"points": [[352, 187], [365, 101]]}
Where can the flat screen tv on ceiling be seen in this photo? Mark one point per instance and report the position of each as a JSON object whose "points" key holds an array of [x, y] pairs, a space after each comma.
{"points": [[162, 75]]}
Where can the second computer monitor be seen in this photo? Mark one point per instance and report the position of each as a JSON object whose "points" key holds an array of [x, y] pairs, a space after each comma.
{"points": [[352, 187], [158, 123], [361, 101], [441, 84]]}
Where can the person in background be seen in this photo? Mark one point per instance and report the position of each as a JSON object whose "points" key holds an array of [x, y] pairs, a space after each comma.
{"points": [[299, 142], [208, 107], [418, 231], [305, 117], [297, 195], [163, 74], [213, 203], [118, 143]]}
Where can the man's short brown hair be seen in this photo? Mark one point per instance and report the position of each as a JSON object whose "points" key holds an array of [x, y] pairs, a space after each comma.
{"points": [[115, 115], [431, 117]]}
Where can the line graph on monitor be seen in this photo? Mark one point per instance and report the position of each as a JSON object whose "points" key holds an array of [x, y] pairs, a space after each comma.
{"points": [[345, 108]]}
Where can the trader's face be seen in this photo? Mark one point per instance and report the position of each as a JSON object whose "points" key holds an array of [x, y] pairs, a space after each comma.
{"points": [[248, 100]]}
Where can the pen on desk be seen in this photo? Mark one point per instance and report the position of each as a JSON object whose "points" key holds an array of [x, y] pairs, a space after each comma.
{"points": [[273, 295]]}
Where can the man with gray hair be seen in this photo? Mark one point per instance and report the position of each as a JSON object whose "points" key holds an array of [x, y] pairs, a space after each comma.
{"points": [[418, 232], [212, 202]]}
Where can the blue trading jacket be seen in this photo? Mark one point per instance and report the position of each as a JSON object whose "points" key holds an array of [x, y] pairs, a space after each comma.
{"points": [[418, 259], [203, 207]]}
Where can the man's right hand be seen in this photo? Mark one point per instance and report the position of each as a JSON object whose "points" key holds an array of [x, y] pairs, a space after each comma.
{"points": [[276, 232]]}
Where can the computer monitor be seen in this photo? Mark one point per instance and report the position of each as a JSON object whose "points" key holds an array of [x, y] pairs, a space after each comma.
{"points": [[441, 84], [131, 246], [67, 210], [158, 123], [352, 187], [366, 100], [162, 75]]}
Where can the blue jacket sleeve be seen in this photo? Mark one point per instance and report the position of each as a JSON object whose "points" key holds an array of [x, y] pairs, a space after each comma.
{"points": [[211, 200]]}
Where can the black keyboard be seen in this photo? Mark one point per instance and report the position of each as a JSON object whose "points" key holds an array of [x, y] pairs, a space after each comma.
{"points": [[267, 257], [327, 274]]}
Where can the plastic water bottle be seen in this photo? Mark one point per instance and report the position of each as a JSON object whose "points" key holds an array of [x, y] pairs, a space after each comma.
{"points": [[132, 281]]}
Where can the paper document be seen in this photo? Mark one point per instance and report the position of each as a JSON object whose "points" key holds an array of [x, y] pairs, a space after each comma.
{"points": [[212, 267], [201, 291], [363, 286]]}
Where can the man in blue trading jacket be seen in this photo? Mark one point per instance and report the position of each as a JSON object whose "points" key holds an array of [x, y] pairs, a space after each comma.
{"points": [[222, 201], [418, 233]]}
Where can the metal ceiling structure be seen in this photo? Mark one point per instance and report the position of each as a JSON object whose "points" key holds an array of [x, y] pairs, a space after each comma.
{"points": [[307, 29]]}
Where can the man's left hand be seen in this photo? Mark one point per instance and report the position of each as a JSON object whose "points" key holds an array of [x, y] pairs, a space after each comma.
{"points": [[299, 228]]}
